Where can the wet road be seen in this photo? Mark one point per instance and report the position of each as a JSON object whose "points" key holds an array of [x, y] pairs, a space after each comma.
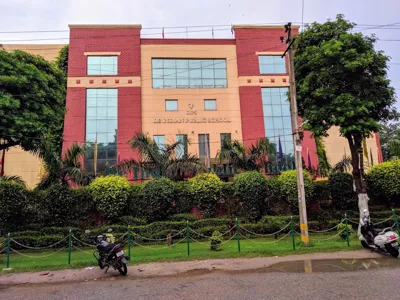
{"points": [[366, 279]]}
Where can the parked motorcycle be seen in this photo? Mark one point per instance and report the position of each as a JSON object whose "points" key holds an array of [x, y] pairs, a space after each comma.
{"points": [[109, 254], [385, 240]]}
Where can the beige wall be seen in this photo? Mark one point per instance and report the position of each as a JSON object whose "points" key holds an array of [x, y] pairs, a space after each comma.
{"points": [[17, 161], [336, 146], [228, 104]]}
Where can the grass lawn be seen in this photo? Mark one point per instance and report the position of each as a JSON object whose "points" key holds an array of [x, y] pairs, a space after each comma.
{"points": [[198, 250]]}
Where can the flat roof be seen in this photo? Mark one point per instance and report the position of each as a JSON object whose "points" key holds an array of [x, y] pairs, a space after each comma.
{"points": [[105, 26], [243, 26]]}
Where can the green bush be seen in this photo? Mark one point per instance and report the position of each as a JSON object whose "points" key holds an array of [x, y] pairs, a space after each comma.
{"points": [[110, 194], [12, 202], [383, 182], [216, 241], [211, 222], [251, 188], [288, 186], [321, 193], [183, 217], [133, 221], [208, 231], [276, 204], [59, 205], [83, 204], [158, 195], [136, 203], [232, 202], [205, 190], [38, 241], [183, 197], [341, 190]]}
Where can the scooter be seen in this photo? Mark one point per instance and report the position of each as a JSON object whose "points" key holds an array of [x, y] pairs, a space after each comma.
{"points": [[385, 241]]}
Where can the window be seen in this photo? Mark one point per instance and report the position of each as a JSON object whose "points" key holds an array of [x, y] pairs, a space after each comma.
{"points": [[204, 145], [277, 121], [160, 141], [102, 65], [210, 105], [188, 73], [272, 65], [181, 149], [225, 137], [171, 105], [101, 125]]}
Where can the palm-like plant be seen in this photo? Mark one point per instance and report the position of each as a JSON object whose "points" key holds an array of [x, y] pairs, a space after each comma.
{"points": [[252, 158], [61, 170], [12, 178], [162, 160]]}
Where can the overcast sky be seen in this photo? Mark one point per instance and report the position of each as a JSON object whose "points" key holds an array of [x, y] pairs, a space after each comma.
{"points": [[40, 15]]}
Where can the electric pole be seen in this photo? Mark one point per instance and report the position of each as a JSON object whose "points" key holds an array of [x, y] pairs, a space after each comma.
{"points": [[296, 136]]}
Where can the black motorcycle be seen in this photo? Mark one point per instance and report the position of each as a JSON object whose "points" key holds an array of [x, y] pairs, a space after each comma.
{"points": [[109, 254]]}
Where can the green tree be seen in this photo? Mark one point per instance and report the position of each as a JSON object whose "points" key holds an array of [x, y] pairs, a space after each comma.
{"points": [[342, 81], [62, 60], [250, 159], [162, 161], [62, 169], [390, 141], [32, 96]]}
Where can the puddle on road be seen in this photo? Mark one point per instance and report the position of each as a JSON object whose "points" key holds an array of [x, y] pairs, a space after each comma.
{"points": [[331, 265]]}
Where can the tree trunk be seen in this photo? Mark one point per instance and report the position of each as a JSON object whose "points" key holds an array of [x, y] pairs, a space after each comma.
{"points": [[358, 175]]}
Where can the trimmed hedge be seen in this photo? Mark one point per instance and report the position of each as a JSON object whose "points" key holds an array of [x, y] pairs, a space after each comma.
{"points": [[12, 205], [341, 189], [39, 241]]}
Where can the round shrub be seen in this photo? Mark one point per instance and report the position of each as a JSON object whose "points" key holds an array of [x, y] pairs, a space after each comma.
{"points": [[341, 189], [158, 195], [216, 241], [251, 188], [183, 197], [276, 204], [58, 203], [136, 203], [383, 182], [110, 194], [12, 201], [288, 186], [205, 191], [322, 195]]}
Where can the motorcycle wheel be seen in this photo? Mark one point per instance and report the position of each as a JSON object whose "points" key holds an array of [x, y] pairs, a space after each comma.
{"points": [[392, 251], [122, 268], [101, 264]]}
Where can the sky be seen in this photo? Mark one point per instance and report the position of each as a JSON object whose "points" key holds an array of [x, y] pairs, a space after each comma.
{"points": [[45, 15]]}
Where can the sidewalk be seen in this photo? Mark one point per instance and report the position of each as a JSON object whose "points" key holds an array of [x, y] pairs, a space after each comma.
{"points": [[172, 268]]}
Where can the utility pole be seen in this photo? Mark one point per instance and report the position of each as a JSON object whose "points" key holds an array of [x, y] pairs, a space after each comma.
{"points": [[296, 136]]}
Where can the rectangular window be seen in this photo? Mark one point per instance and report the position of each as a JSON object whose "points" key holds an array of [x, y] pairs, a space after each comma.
{"points": [[272, 64], [210, 104], [102, 65], [160, 141], [204, 145], [171, 105], [101, 126], [277, 122], [188, 73], [182, 148], [225, 137]]}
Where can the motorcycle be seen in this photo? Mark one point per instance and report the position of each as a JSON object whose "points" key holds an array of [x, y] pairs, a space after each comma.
{"points": [[109, 254], [385, 240]]}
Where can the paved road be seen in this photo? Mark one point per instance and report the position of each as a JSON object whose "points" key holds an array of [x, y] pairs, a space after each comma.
{"points": [[368, 284]]}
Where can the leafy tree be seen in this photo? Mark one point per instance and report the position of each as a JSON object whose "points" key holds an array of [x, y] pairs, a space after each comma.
{"points": [[250, 159], [342, 81], [32, 94], [390, 141], [162, 160], [62, 60], [61, 170]]}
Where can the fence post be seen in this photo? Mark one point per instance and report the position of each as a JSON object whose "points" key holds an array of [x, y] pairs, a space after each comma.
{"points": [[69, 246], [8, 250], [129, 241], [293, 233], [347, 230], [187, 237], [237, 234], [396, 221]]}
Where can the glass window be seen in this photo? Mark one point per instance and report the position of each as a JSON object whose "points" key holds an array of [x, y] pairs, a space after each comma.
{"points": [[210, 105], [182, 148], [101, 126], [171, 105], [102, 65], [204, 145], [277, 117], [225, 137], [189, 73], [272, 64], [160, 141]]}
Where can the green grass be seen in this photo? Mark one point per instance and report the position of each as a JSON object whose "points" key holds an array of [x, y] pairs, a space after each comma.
{"points": [[249, 248]]}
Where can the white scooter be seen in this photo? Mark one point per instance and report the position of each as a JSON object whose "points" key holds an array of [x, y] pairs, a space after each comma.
{"points": [[385, 241]]}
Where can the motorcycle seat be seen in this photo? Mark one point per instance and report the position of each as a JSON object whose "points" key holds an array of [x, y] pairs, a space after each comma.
{"points": [[106, 248]]}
